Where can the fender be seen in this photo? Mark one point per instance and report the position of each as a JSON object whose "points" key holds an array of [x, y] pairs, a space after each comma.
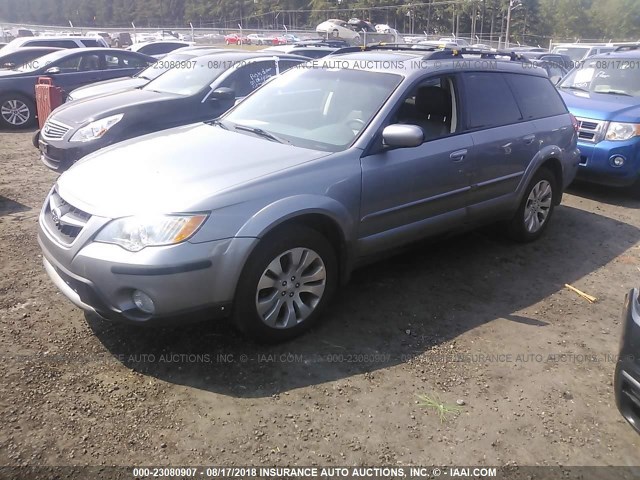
{"points": [[285, 209], [290, 208], [544, 154]]}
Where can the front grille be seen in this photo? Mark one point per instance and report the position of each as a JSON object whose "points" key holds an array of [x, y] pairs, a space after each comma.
{"points": [[64, 221], [54, 130], [591, 130]]}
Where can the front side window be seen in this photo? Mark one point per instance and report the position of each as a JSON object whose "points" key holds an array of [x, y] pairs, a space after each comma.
{"points": [[80, 63], [430, 106], [317, 108], [489, 101]]}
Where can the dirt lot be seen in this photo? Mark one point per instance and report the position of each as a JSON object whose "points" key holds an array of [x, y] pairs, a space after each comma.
{"points": [[475, 318]]}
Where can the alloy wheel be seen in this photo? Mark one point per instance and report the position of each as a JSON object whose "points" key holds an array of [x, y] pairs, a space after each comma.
{"points": [[290, 288], [538, 206], [15, 112]]}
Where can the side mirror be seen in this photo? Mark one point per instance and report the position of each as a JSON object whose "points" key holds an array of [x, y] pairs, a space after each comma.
{"points": [[52, 70], [224, 94], [399, 135]]}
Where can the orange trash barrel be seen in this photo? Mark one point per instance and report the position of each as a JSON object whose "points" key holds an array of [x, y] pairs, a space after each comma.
{"points": [[48, 98]]}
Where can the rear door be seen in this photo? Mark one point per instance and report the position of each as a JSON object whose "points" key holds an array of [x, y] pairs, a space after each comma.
{"points": [[504, 141]]}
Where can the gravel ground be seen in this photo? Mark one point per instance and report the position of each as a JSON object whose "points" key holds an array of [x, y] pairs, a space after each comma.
{"points": [[477, 323]]}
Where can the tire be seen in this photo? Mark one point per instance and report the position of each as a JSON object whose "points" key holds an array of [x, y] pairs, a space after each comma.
{"points": [[35, 140], [536, 209], [275, 300], [16, 112]]}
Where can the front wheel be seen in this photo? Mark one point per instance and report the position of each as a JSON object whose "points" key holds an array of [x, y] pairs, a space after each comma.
{"points": [[16, 111], [536, 208], [285, 284]]}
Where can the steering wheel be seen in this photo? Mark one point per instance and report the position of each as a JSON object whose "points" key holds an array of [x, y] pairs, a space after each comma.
{"points": [[355, 124]]}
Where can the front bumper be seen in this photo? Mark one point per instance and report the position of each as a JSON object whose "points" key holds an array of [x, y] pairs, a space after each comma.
{"points": [[182, 279], [60, 155], [594, 164], [627, 376]]}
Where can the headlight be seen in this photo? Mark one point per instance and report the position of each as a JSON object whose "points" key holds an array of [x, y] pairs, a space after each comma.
{"points": [[135, 233], [622, 131], [96, 129]]}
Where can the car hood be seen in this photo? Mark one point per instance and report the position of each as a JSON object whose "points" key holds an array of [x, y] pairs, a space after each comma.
{"points": [[600, 106], [84, 110], [108, 86], [176, 170]]}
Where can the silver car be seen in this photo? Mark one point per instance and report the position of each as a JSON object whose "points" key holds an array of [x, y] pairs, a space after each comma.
{"points": [[264, 212]]}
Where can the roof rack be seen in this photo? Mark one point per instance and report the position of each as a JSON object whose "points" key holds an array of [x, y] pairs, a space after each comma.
{"points": [[436, 52], [626, 48]]}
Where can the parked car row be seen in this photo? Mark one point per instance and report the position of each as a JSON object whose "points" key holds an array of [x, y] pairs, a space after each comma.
{"points": [[70, 69]]}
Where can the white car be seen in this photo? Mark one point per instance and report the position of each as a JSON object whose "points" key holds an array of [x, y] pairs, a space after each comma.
{"points": [[259, 39], [58, 42], [335, 28]]}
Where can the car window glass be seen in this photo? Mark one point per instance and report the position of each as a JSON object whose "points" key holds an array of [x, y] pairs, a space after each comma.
{"points": [[249, 77], [430, 106], [91, 43], [80, 63], [489, 101], [122, 60], [536, 96]]}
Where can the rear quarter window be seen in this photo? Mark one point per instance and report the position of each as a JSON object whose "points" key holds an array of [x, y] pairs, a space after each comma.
{"points": [[489, 101], [536, 96], [91, 43]]}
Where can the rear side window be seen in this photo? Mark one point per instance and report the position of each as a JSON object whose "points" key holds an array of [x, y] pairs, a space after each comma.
{"points": [[536, 96], [92, 43], [489, 101], [52, 43]]}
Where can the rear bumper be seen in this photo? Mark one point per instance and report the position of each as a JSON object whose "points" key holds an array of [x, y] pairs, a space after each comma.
{"points": [[595, 166], [627, 376]]}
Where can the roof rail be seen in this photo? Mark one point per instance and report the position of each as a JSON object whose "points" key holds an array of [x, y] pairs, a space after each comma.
{"points": [[513, 56]]}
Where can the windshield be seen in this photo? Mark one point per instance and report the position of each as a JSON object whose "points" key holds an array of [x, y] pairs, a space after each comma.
{"points": [[606, 75], [188, 77], [317, 108], [575, 53]]}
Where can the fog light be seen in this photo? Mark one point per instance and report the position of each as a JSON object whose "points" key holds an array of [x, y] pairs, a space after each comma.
{"points": [[143, 301], [617, 161]]}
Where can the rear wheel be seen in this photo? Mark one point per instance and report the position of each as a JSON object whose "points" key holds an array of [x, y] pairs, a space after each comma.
{"points": [[285, 284], [536, 208], [16, 111]]}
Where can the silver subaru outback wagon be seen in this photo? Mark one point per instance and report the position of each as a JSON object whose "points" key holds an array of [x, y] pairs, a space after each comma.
{"points": [[263, 212]]}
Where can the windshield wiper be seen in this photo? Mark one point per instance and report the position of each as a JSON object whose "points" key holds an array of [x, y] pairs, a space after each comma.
{"points": [[261, 132], [571, 87], [614, 92], [218, 122]]}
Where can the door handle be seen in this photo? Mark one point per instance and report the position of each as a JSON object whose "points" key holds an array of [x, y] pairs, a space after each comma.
{"points": [[458, 155], [528, 139]]}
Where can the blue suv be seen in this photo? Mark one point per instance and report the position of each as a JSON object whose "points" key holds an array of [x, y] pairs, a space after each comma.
{"points": [[604, 95]]}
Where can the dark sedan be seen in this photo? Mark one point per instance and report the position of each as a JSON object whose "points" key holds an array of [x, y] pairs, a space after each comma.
{"points": [[69, 69], [627, 378], [196, 90], [140, 79], [24, 55]]}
